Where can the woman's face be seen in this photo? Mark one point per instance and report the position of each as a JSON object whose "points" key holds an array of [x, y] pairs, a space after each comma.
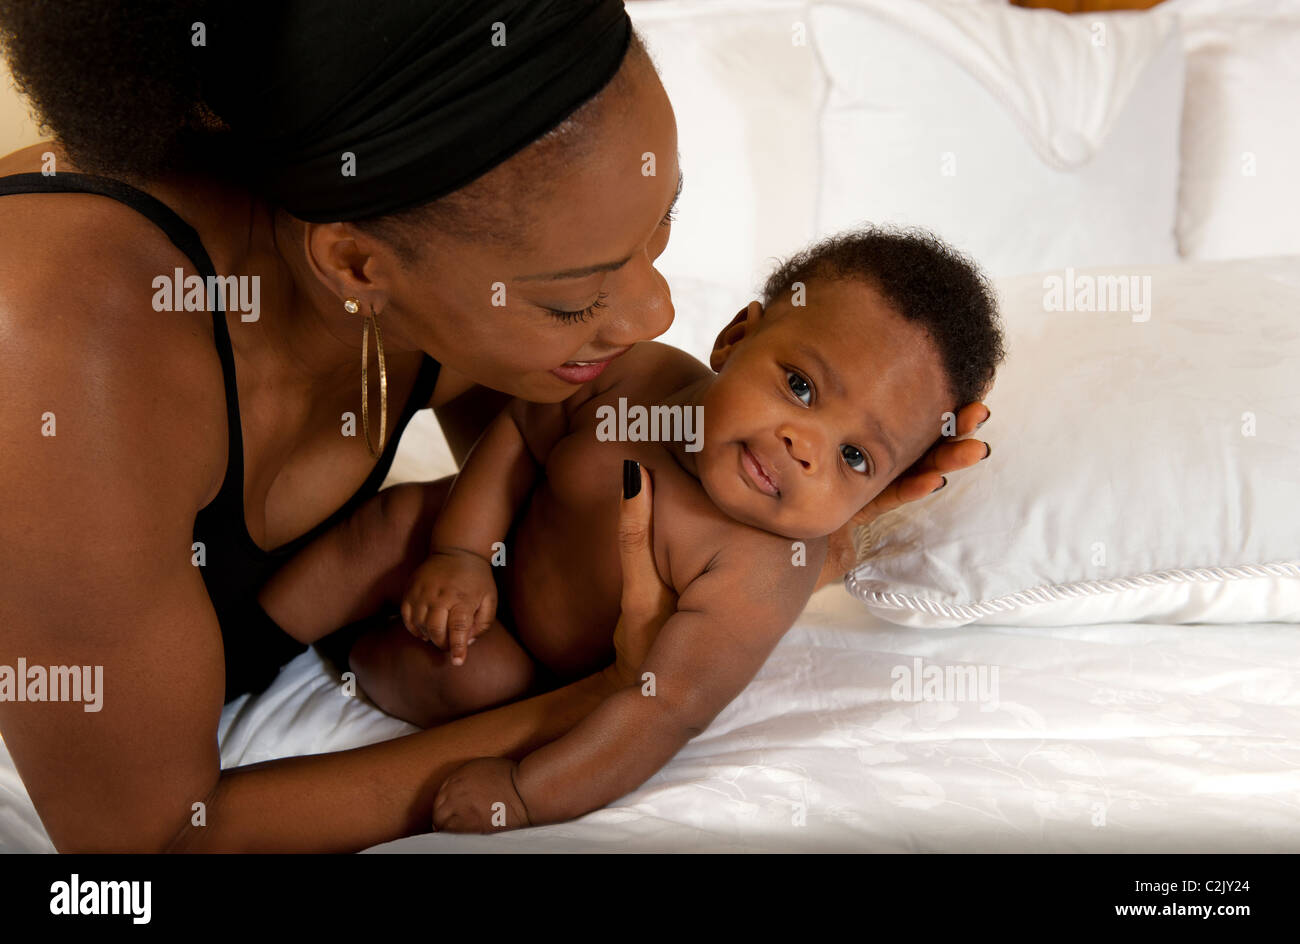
{"points": [[579, 284]]}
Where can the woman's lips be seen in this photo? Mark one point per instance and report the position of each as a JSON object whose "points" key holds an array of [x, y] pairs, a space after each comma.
{"points": [[581, 372], [757, 475]]}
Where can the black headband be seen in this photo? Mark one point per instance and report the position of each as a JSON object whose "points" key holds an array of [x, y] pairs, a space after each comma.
{"points": [[427, 95]]}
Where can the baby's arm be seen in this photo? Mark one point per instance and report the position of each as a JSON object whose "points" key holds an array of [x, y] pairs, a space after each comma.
{"points": [[728, 620], [452, 595]]}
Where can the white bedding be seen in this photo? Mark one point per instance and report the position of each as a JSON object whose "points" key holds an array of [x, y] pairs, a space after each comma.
{"points": [[1122, 737]]}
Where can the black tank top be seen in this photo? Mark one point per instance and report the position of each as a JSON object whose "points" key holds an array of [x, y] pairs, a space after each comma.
{"points": [[235, 567]]}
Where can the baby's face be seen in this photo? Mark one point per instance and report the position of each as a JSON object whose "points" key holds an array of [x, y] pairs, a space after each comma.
{"points": [[817, 408]]}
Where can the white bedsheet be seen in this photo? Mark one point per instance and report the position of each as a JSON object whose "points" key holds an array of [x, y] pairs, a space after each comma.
{"points": [[1121, 737]]}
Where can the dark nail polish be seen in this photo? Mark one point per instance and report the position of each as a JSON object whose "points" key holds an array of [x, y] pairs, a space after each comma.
{"points": [[631, 478], [945, 483], [988, 451]]}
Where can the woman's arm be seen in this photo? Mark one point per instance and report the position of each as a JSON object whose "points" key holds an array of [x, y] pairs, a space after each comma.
{"points": [[349, 800]]}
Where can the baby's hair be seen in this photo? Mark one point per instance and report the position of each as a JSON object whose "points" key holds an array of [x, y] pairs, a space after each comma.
{"points": [[927, 282]]}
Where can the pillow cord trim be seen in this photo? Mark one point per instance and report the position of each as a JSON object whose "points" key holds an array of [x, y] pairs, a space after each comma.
{"points": [[1050, 592]]}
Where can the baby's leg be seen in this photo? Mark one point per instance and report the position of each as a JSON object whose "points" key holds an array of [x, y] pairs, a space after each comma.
{"points": [[349, 573], [415, 680], [362, 563]]}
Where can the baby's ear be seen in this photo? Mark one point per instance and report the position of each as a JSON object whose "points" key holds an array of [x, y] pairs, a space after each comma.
{"points": [[734, 333]]}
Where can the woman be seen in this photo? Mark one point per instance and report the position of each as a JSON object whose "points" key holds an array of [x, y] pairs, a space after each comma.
{"points": [[467, 185]]}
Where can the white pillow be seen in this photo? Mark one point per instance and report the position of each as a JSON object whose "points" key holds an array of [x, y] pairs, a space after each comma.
{"points": [[1009, 132], [1140, 469], [745, 86], [1241, 129], [703, 309]]}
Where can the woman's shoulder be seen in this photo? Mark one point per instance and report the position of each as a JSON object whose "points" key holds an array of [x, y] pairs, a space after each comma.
{"points": [[72, 236], [84, 344]]}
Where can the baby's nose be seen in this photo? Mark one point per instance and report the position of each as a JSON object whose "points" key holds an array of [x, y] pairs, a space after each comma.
{"points": [[801, 447]]}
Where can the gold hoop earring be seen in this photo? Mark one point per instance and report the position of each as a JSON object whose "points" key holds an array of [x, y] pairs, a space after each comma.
{"points": [[352, 306]]}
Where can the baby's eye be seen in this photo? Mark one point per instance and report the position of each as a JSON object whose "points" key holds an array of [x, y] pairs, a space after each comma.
{"points": [[798, 385], [853, 456]]}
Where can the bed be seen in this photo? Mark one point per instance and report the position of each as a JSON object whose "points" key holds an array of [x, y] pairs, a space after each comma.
{"points": [[1142, 713], [1109, 737]]}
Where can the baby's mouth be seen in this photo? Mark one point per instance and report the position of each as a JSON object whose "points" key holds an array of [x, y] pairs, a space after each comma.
{"points": [[757, 474]]}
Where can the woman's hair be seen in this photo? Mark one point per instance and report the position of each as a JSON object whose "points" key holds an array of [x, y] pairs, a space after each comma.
{"points": [[492, 207], [112, 80], [117, 84], [927, 282]]}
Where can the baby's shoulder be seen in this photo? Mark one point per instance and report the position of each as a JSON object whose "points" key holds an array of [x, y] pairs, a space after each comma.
{"points": [[646, 373], [648, 370], [699, 538]]}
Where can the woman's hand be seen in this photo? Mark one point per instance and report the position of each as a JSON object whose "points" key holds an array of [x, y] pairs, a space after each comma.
{"points": [[647, 601], [923, 477]]}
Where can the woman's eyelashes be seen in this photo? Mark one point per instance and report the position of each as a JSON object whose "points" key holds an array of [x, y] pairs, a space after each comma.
{"points": [[583, 314], [801, 387], [569, 317]]}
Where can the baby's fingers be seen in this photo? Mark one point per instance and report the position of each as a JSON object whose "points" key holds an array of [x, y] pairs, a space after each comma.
{"points": [[459, 624], [414, 612], [484, 615], [435, 626]]}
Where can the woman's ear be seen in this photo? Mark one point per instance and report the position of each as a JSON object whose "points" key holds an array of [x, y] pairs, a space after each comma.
{"points": [[343, 264], [743, 324]]}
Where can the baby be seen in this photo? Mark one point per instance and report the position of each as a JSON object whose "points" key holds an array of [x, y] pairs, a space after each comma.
{"points": [[864, 348]]}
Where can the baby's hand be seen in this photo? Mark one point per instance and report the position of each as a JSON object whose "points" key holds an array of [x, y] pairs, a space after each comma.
{"points": [[451, 600], [480, 797]]}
